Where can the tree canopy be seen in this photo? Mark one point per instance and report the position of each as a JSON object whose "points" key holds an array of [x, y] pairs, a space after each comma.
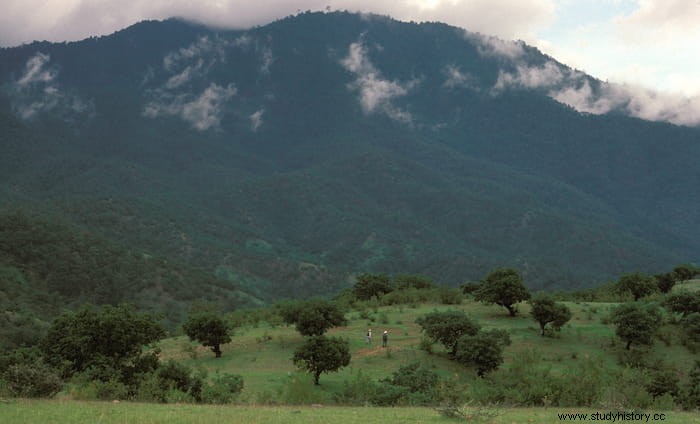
{"points": [[545, 310], [638, 284], [369, 285], [108, 337], [447, 327], [208, 329], [313, 317], [636, 323], [321, 354], [503, 287], [483, 349]]}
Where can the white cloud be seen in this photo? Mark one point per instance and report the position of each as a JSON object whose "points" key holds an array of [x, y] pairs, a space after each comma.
{"points": [[636, 101], [572, 88], [188, 67], [493, 46], [661, 21], [458, 79], [185, 76], [184, 56], [202, 112], [36, 91], [376, 93], [35, 70], [205, 111], [59, 20], [267, 59], [531, 77], [256, 120]]}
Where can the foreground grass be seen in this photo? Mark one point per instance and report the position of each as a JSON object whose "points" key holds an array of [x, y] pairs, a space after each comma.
{"points": [[74, 412]]}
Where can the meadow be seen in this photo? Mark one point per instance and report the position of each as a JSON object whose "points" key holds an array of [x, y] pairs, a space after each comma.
{"points": [[276, 392], [75, 412], [262, 353]]}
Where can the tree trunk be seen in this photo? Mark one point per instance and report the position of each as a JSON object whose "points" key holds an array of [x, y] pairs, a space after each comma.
{"points": [[542, 328], [629, 343], [316, 377], [511, 310], [217, 350]]}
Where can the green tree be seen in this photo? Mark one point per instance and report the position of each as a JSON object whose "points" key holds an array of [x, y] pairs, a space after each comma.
{"points": [[313, 317], [636, 323], [691, 389], [638, 284], [369, 285], [320, 354], [447, 327], [691, 327], [208, 329], [545, 310], [404, 281], [665, 281], [109, 338], [483, 350], [683, 302], [685, 272], [412, 384], [503, 287], [32, 380]]}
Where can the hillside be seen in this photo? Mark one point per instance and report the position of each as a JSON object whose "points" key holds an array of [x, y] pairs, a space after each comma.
{"points": [[48, 267], [288, 157]]}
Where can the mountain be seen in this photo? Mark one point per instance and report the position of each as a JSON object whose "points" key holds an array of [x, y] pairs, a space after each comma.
{"points": [[288, 157]]}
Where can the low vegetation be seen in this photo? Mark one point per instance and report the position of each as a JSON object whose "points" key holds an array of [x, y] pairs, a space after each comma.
{"points": [[453, 354]]}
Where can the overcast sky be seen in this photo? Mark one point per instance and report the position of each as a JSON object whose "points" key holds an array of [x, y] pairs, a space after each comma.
{"points": [[652, 43]]}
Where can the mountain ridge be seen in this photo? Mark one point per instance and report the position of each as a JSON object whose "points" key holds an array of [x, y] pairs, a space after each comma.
{"points": [[349, 143]]}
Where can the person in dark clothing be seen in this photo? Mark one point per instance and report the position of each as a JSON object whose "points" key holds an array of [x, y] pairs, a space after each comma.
{"points": [[385, 338]]}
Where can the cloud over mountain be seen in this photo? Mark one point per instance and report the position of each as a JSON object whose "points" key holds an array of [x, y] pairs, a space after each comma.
{"points": [[376, 93], [36, 91]]}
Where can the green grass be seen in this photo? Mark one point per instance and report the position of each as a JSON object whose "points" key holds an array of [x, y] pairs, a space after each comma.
{"points": [[74, 412], [262, 354]]}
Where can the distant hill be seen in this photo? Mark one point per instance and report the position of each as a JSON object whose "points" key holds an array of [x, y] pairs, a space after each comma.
{"points": [[288, 157], [47, 267]]}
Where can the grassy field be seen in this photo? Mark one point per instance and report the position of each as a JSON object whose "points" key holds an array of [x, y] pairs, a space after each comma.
{"points": [[262, 355], [75, 412]]}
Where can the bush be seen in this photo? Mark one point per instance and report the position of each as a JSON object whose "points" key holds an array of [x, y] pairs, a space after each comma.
{"points": [[360, 390], [484, 350], [663, 382], [171, 377], [225, 389], [450, 296], [35, 380], [447, 327], [690, 396], [412, 384], [301, 389]]}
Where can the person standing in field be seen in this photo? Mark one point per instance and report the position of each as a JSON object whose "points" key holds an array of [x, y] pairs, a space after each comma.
{"points": [[369, 336], [385, 338]]}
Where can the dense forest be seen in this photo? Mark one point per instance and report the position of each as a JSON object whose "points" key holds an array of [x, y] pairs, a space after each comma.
{"points": [[254, 156]]}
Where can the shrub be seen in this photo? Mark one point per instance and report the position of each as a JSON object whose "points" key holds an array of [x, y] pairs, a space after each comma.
{"points": [[412, 384], [32, 380], [664, 381], [301, 390], [484, 350], [225, 389], [359, 390], [449, 296], [447, 327]]}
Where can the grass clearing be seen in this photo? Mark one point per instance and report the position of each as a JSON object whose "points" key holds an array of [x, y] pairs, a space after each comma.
{"points": [[22, 411], [262, 353]]}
